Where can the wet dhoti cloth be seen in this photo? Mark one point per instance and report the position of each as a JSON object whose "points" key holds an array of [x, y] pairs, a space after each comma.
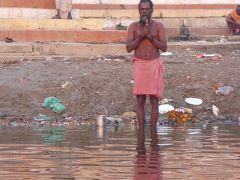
{"points": [[148, 77]]}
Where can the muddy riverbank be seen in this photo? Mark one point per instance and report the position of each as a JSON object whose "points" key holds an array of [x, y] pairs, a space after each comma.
{"points": [[87, 86]]}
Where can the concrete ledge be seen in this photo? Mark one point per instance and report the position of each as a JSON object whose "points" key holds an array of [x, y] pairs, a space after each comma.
{"points": [[88, 36], [87, 50], [113, 36], [15, 48], [108, 23]]}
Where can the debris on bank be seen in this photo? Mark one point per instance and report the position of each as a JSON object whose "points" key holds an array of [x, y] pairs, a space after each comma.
{"points": [[54, 104]]}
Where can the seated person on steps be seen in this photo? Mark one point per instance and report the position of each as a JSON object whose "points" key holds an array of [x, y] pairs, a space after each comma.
{"points": [[233, 21]]}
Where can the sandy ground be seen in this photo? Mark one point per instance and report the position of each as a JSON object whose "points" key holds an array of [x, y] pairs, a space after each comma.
{"points": [[103, 84]]}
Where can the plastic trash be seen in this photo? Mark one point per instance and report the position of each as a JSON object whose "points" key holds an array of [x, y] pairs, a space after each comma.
{"points": [[164, 108], [166, 53], [165, 100], [209, 55], [215, 110], [129, 115], [184, 110], [65, 84], [100, 121], [54, 104], [42, 117], [224, 90], [193, 101]]}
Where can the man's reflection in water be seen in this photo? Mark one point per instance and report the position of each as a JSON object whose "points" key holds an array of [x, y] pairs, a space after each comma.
{"points": [[147, 165]]}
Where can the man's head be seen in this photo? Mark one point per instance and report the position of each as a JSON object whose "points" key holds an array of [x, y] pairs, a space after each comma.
{"points": [[145, 8]]}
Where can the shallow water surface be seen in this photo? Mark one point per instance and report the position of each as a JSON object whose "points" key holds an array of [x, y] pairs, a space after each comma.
{"points": [[212, 152]]}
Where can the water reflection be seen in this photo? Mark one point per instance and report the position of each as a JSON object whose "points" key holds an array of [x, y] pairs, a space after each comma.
{"points": [[122, 153], [148, 164], [52, 135]]}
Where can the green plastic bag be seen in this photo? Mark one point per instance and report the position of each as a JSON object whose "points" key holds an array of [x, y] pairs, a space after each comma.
{"points": [[54, 104]]}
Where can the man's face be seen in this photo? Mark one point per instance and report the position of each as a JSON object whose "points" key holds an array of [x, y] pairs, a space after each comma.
{"points": [[145, 11]]}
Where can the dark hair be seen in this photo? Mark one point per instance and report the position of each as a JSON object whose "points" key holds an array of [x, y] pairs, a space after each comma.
{"points": [[142, 1]]}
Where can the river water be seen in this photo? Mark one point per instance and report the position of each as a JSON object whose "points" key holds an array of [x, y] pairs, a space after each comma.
{"points": [[92, 153]]}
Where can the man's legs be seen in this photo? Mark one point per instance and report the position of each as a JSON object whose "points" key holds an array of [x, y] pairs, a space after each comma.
{"points": [[141, 99], [69, 3], [233, 27], [154, 111], [58, 5]]}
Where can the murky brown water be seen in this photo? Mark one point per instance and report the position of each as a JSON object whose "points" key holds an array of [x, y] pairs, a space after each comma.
{"points": [[212, 152]]}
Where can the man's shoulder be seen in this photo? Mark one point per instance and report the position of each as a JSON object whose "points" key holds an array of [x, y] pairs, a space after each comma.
{"points": [[157, 23], [134, 23]]}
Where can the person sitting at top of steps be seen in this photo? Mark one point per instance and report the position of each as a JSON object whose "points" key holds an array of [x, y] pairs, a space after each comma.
{"points": [[64, 8], [233, 21]]}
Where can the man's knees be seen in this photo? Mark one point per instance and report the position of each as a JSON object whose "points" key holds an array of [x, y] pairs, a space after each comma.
{"points": [[141, 99], [154, 100]]}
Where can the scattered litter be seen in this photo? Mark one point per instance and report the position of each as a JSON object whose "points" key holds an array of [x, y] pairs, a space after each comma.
{"points": [[222, 39], [100, 121], [179, 117], [118, 60], [107, 59], [129, 115], [193, 101], [132, 82], [114, 119], [203, 41], [65, 84], [209, 55], [224, 90], [8, 40], [42, 117], [184, 110], [215, 110], [121, 27], [54, 104], [164, 108], [166, 53], [165, 100]]}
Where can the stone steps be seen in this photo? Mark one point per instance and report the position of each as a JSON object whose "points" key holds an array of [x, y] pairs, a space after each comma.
{"points": [[100, 30], [100, 36]]}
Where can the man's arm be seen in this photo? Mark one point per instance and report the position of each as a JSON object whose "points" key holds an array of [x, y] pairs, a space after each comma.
{"points": [[229, 18], [161, 41], [132, 41]]}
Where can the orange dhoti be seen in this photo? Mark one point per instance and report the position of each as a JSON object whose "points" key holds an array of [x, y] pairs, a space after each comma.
{"points": [[148, 77]]}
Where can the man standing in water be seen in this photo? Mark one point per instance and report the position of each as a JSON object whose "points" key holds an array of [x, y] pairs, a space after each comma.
{"points": [[147, 37]]}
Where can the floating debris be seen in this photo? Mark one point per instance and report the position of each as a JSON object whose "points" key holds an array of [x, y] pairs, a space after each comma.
{"points": [[179, 117]]}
